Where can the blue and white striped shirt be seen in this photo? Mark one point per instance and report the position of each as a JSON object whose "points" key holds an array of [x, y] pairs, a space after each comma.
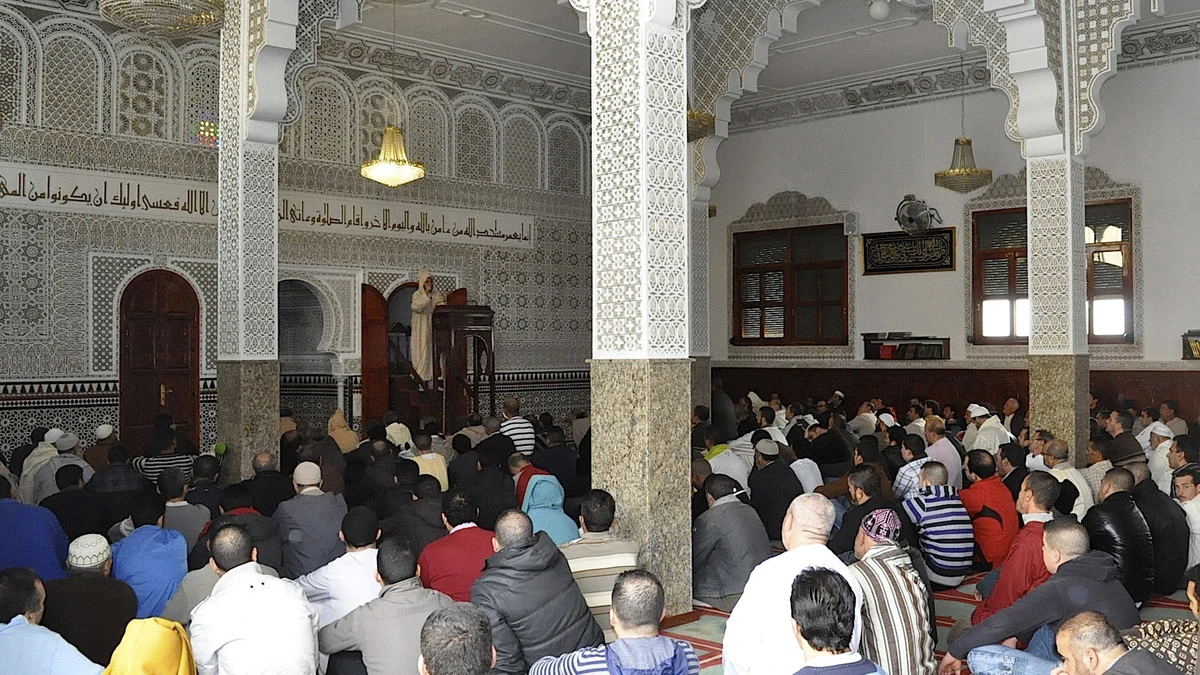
{"points": [[943, 528], [634, 653]]}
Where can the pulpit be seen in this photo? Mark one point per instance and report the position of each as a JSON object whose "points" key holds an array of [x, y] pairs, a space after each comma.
{"points": [[464, 363]]}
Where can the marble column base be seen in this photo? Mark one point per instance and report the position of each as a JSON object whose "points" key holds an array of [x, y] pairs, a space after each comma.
{"points": [[1058, 399], [701, 381], [641, 455], [247, 414]]}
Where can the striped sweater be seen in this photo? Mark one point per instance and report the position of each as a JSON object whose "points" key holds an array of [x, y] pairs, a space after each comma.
{"points": [[895, 606], [944, 529], [645, 654]]}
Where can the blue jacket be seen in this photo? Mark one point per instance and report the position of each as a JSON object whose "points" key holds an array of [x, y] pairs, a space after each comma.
{"points": [[152, 561], [30, 536], [544, 504]]}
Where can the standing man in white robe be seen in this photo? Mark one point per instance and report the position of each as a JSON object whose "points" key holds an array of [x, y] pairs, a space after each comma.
{"points": [[421, 343]]}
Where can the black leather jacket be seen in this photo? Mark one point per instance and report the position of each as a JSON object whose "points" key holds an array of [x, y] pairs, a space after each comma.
{"points": [[534, 605], [1169, 528], [1118, 528]]}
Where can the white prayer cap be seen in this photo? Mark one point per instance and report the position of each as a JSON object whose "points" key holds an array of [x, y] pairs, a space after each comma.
{"points": [[89, 550], [887, 419], [1160, 429], [975, 410], [307, 473], [767, 448], [839, 394], [53, 435], [808, 421], [103, 431], [66, 442]]}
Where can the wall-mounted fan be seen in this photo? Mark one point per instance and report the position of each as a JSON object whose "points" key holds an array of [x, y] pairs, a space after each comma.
{"points": [[915, 216]]}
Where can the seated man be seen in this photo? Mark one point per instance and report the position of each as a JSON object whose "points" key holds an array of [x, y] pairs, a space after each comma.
{"points": [[152, 560], [990, 505], [866, 451], [944, 533], [182, 516], [309, 523], [1090, 644], [451, 564], [772, 487], [457, 640], [560, 459], [252, 622], [758, 639], [728, 542], [530, 597], [866, 486], [205, 489], [78, 511], [544, 504], [1117, 527], [912, 451], [28, 648], [420, 521], [638, 608], [896, 632], [387, 630], [269, 487], [1168, 529], [1187, 487], [492, 487], [1011, 465], [1081, 579], [823, 607], [348, 582], [743, 446], [1177, 641], [90, 609], [1057, 457], [598, 557], [722, 460], [1023, 569], [235, 507]]}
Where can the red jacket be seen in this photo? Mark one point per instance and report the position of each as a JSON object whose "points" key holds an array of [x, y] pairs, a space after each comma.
{"points": [[993, 516], [1023, 571], [451, 564], [528, 471]]}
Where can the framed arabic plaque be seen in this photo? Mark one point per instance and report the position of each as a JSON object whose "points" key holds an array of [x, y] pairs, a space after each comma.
{"points": [[900, 252]]}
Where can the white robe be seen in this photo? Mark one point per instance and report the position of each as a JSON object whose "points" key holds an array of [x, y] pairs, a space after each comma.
{"points": [[421, 342]]}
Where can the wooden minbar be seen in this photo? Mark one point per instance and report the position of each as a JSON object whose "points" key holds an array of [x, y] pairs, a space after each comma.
{"points": [[464, 363]]}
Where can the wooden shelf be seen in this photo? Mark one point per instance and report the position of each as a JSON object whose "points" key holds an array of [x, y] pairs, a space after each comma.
{"points": [[908, 348]]}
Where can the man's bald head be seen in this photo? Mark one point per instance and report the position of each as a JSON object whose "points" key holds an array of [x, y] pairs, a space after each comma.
{"points": [[811, 515], [263, 461], [513, 527], [1140, 472], [935, 426]]}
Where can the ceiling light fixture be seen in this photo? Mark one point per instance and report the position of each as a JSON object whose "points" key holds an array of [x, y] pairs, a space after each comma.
{"points": [[165, 18], [879, 10], [963, 176], [393, 168]]}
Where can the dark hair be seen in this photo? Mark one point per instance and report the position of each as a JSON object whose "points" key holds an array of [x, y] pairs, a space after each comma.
{"points": [[1014, 454], [981, 463], [163, 421], [897, 434], [1119, 479], [381, 447], [638, 599], [1089, 630], [37, 436], [68, 475], [422, 441], [701, 413], [867, 478], [823, 607], [171, 483], [461, 444], [5, 489], [427, 487], [1044, 487], [719, 485], [1189, 445], [513, 527], [290, 441], [918, 409], [18, 593], [147, 508], [206, 467], [598, 510], [1152, 413], [395, 560], [1173, 405], [431, 427], [716, 434], [376, 431], [1190, 472], [868, 449], [236, 496], [555, 436], [759, 435], [1124, 419], [309, 453], [767, 413], [915, 445], [930, 403], [457, 640], [231, 546], [160, 442], [459, 507], [118, 454]]}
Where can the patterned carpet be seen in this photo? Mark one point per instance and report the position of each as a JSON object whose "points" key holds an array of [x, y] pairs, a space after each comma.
{"points": [[705, 634]]}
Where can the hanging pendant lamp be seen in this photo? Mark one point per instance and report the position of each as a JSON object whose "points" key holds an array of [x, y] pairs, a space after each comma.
{"points": [[963, 176], [393, 168]]}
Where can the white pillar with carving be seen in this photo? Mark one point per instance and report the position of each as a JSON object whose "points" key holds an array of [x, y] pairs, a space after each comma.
{"points": [[257, 38], [640, 221]]}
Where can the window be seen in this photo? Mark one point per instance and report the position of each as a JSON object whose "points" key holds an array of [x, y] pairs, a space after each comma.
{"points": [[790, 286], [1000, 288]]}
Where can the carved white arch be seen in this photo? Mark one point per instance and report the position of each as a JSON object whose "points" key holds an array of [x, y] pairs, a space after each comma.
{"points": [[24, 36], [119, 292], [331, 308], [343, 88], [422, 95], [518, 111], [58, 27], [464, 103], [557, 120], [369, 85], [128, 44]]}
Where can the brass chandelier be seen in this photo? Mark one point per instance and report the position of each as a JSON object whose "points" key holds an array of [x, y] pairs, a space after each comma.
{"points": [[165, 18], [393, 168], [963, 176]]}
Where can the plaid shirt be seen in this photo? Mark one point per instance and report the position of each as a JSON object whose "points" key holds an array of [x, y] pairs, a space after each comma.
{"points": [[906, 484], [117, 478]]}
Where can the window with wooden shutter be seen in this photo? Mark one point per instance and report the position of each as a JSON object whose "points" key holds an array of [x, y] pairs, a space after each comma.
{"points": [[790, 286]]}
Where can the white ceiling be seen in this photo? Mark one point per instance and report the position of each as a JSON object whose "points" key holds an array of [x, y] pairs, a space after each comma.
{"points": [[835, 40]]}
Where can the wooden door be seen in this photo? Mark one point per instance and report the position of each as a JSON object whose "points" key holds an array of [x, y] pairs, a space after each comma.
{"points": [[160, 356], [375, 380]]}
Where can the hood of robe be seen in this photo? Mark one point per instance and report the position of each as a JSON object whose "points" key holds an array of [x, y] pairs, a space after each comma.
{"points": [[421, 279]]}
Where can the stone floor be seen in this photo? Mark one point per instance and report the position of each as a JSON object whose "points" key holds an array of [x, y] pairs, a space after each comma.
{"points": [[705, 634]]}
